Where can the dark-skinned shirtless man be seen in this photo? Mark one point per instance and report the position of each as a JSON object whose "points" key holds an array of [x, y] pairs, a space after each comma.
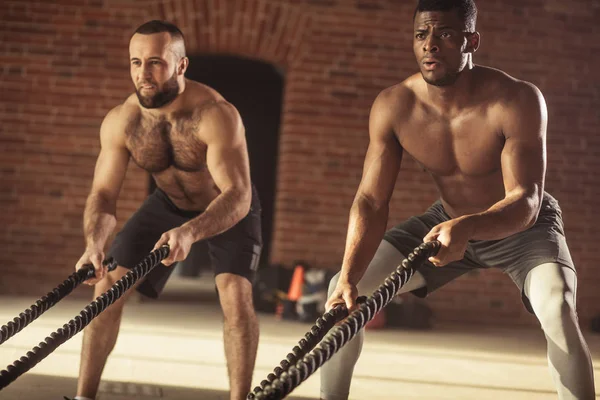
{"points": [[481, 135], [193, 143]]}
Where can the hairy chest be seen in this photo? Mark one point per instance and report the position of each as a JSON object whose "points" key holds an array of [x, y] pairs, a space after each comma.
{"points": [[158, 144]]}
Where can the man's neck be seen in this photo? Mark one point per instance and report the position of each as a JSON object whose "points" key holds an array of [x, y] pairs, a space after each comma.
{"points": [[454, 97]]}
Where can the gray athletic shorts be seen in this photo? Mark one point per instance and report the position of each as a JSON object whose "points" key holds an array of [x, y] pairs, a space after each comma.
{"points": [[515, 255], [235, 251]]}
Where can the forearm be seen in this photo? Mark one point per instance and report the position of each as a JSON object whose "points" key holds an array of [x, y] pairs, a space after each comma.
{"points": [[99, 220], [515, 213], [226, 210], [365, 231]]}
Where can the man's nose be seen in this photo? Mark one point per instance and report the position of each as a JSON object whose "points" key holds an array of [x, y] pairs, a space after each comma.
{"points": [[144, 72], [431, 44]]}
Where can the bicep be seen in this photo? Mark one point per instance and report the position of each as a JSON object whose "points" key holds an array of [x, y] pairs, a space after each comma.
{"points": [[524, 154], [227, 153], [111, 165], [523, 165], [383, 158], [380, 171]]}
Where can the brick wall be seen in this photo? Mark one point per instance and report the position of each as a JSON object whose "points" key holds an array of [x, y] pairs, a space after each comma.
{"points": [[64, 65]]}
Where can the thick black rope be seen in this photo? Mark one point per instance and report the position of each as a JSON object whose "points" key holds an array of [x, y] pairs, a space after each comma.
{"points": [[318, 331], [298, 367], [74, 326], [46, 302]]}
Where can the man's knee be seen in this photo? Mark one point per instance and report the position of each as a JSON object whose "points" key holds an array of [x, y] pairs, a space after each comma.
{"points": [[108, 282], [111, 314], [235, 296], [554, 307]]}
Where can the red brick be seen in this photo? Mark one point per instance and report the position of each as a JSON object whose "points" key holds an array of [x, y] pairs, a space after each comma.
{"points": [[65, 66]]}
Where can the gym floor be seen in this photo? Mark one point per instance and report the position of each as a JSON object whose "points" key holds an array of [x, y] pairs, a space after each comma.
{"points": [[172, 349]]}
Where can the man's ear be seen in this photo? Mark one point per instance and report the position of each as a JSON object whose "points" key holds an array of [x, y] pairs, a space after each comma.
{"points": [[473, 41], [183, 65]]}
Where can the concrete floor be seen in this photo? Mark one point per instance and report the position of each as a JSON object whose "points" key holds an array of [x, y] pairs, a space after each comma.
{"points": [[172, 349]]}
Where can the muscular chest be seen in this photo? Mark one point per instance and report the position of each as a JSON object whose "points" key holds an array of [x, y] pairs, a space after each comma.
{"points": [[156, 145], [469, 144]]}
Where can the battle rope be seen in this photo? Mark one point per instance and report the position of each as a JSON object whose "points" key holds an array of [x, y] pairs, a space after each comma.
{"points": [[91, 311], [310, 340], [298, 366], [46, 302]]}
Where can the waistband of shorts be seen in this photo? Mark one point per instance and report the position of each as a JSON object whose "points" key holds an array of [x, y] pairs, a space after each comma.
{"points": [[255, 207], [164, 197], [549, 203]]}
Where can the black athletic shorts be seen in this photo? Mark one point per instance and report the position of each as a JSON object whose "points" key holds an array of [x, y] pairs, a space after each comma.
{"points": [[235, 251]]}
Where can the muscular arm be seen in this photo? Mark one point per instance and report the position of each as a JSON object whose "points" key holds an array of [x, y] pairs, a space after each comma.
{"points": [[523, 169], [369, 212], [99, 217], [227, 160]]}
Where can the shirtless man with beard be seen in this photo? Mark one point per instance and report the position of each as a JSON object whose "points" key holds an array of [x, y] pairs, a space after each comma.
{"points": [[193, 143]]}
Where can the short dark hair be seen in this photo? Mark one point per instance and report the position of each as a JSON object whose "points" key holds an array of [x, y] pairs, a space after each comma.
{"points": [[466, 9], [157, 26]]}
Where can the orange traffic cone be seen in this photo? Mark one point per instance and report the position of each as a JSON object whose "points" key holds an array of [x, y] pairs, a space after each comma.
{"points": [[295, 290], [286, 309]]}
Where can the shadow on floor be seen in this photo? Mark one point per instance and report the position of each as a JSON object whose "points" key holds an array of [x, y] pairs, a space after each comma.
{"points": [[42, 387]]}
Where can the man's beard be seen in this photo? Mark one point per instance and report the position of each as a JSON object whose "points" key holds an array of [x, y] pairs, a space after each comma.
{"points": [[169, 92]]}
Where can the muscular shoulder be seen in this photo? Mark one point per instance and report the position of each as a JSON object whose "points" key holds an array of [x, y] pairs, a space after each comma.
{"points": [[517, 102], [507, 90], [218, 118], [206, 105], [391, 109], [523, 95], [397, 101], [118, 119], [199, 95], [394, 103]]}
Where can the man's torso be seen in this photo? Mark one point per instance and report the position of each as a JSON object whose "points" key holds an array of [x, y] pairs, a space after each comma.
{"points": [[171, 149], [460, 149]]}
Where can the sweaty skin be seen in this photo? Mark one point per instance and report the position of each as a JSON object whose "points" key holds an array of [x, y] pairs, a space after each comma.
{"points": [[478, 132], [193, 143], [481, 135], [173, 148], [463, 149]]}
